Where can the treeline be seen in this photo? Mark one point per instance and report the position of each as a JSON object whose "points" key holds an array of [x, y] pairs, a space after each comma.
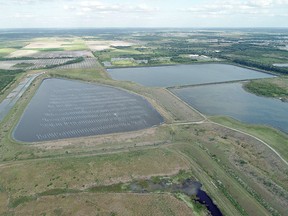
{"points": [[18, 58], [7, 77], [265, 67], [179, 59]]}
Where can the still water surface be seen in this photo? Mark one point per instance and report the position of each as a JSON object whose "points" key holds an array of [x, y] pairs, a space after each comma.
{"points": [[232, 100], [167, 76], [64, 109]]}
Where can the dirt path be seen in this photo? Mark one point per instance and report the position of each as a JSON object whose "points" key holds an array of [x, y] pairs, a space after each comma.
{"points": [[206, 120]]}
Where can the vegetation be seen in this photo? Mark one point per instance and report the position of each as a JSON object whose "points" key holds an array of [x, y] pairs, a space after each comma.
{"points": [[267, 88], [23, 65], [73, 61], [261, 66], [7, 77], [276, 139]]}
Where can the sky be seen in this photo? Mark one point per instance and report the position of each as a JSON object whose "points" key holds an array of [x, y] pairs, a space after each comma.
{"points": [[142, 13]]}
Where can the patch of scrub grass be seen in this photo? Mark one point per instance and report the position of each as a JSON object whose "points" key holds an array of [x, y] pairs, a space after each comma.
{"points": [[96, 170], [276, 139], [57, 191], [116, 188], [20, 200], [80, 74]]}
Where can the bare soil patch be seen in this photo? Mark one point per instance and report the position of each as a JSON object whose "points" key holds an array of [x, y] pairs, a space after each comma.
{"points": [[22, 53]]}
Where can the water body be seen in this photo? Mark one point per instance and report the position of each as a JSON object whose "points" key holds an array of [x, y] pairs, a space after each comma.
{"points": [[65, 109], [178, 75], [7, 104], [281, 65], [188, 187], [204, 199], [232, 100]]}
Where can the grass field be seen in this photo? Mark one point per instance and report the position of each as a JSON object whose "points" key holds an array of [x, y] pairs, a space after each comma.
{"points": [[106, 204], [82, 172], [6, 51]]}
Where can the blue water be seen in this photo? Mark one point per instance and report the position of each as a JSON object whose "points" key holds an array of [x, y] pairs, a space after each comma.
{"points": [[8, 103], [167, 76], [232, 100], [63, 109], [204, 199]]}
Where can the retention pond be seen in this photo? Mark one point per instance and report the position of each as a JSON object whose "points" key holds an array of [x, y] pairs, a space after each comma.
{"points": [[65, 109], [232, 100], [167, 76]]}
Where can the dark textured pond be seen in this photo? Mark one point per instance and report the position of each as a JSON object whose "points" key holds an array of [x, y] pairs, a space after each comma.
{"points": [[188, 187], [167, 76], [232, 100], [64, 109]]}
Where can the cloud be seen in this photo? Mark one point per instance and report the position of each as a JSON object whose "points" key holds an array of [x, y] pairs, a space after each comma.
{"points": [[224, 7], [99, 6], [22, 16]]}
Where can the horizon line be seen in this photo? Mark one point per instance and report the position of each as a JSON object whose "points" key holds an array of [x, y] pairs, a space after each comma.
{"points": [[257, 27]]}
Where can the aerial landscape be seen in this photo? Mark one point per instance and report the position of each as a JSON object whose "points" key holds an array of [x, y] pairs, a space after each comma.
{"points": [[143, 118]]}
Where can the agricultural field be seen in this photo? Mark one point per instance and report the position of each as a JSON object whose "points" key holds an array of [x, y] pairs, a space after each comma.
{"points": [[6, 51], [98, 45], [107, 147], [87, 63], [56, 44], [49, 54], [32, 64]]}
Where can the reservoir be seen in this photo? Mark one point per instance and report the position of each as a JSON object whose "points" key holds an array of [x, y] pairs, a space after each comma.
{"points": [[167, 76], [64, 109], [232, 100]]}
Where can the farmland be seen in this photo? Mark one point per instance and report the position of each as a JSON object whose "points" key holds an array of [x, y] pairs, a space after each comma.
{"points": [[49, 54], [243, 168], [31, 64]]}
